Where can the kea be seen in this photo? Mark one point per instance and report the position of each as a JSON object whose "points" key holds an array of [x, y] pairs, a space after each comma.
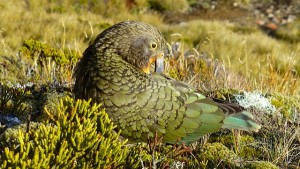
{"points": [[115, 70]]}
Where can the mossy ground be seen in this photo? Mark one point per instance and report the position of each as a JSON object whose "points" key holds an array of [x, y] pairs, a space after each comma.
{"points": [[41, 41]]}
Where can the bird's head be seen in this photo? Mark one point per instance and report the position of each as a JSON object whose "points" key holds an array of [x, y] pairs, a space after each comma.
{"points": [[138, 43]]}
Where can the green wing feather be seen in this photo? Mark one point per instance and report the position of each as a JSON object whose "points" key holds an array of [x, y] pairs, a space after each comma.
{"points": [[242, 121]]}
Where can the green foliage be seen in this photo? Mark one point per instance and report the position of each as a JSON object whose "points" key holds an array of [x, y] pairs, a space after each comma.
{"points": [[94, 6], [37, 50], [78, 136], [225, 94], [40, 63]]}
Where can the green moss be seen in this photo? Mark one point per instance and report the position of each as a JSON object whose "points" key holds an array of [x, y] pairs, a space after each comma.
{"points": [[244, 145], [9, 138], [261, 165], [225, 94], [154, 154], [288, 106], [218, 154]]}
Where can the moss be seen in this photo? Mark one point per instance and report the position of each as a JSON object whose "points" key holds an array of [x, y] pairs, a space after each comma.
{"points": [[289, 106], [244, 145], [261, 165], [9, 138], [218, 154], [154, 154], [225, 94]]}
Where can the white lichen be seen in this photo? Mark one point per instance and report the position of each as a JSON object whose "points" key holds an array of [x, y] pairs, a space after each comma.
{"points": [[255, 100]]}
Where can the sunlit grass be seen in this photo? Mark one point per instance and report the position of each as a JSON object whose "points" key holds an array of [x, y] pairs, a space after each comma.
{"points": [[260, 59], [263, 63]]}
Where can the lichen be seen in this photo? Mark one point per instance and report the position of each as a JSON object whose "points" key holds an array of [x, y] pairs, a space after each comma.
{"points": [[255, 100]]}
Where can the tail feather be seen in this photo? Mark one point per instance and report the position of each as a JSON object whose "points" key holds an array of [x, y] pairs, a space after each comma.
{"points": [[242, 121]]}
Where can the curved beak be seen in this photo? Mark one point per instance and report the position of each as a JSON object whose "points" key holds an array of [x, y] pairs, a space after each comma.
{"points": [[159, 64]]}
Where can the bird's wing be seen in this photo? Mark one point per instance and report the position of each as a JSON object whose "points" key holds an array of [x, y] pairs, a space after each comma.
{"points": [[187, 114]]}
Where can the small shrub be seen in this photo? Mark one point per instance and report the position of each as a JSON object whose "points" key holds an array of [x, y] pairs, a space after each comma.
{"points": [[78, 136], [32, 48]]}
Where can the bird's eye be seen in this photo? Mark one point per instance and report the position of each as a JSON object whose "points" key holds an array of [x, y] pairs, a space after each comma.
{"points": [[153, 45]]}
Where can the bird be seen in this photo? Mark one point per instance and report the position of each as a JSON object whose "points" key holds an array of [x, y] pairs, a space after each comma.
{"points": [[115, 70]]}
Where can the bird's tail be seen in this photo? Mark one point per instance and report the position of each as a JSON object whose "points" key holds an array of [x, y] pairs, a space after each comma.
{"points": [[241, 120]]}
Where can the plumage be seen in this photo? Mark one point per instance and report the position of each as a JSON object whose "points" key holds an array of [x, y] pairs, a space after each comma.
{"points": [[115, 71]]}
